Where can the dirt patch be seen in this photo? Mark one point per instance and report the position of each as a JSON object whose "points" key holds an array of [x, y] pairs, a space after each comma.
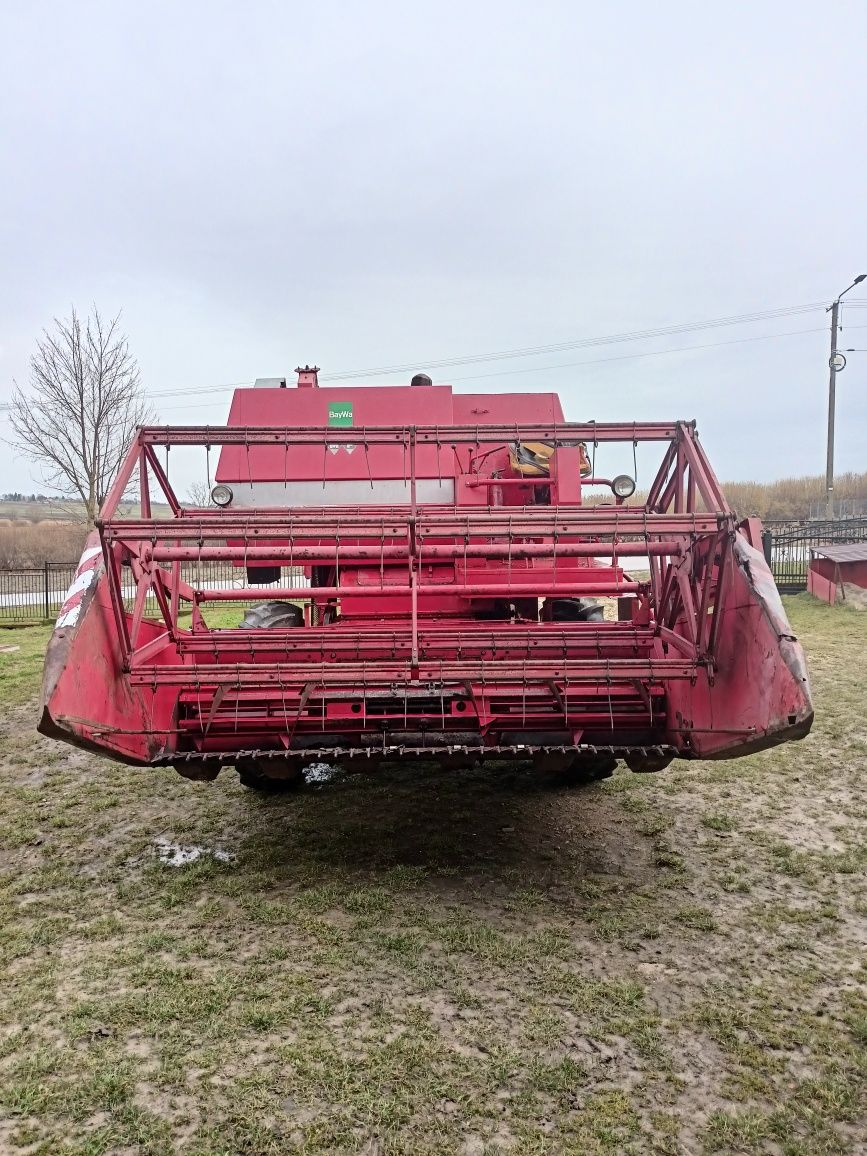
{"points": [[855, 597]]}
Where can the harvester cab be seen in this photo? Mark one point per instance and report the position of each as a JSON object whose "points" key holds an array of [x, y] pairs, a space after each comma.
{"points": [[417, 572]]}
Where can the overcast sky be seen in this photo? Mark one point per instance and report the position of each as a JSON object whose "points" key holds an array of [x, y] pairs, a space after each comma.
{"points": [[361, 184]]}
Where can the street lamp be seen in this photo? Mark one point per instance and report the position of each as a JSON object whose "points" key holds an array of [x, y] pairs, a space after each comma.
{"points": [[836, 363]]}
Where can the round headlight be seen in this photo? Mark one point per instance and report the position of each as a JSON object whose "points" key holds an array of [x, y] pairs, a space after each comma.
{"points": [[623, 486], [221, 495]]}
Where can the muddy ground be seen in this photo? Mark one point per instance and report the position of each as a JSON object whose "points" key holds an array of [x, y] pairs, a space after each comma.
{"points": [[428, 962]]}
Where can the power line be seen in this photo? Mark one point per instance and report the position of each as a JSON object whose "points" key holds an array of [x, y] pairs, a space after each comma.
{"points": [[200, 389], [604, 360], [581, 343], [533, 351], [651, 353]]}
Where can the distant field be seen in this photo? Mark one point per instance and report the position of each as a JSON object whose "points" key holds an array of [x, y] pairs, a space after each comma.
{"points": [[32, 533], [59, 511], [40, 511]]}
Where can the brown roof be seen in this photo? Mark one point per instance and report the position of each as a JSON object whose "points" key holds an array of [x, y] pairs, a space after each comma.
{"points": [[846, 552]]}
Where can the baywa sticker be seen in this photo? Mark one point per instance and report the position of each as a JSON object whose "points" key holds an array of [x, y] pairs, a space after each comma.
{"points": [[340, 413]]}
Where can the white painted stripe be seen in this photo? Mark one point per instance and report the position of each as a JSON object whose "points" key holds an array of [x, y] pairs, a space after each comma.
{"points": [[81, 583], [89, 569], [87, 555], [68, 617]]}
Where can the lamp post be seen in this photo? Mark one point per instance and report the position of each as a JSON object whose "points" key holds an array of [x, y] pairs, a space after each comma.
{"points": [[836, 362]]}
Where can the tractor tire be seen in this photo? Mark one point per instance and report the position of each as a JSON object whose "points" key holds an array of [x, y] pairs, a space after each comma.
{"points": [[269, 616], [586, 769], [647, 764], [251, 776], [272, 616], [576, 610]]}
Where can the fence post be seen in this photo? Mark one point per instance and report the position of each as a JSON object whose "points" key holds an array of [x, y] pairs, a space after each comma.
{"points": [[768, 546], [45, 572]]}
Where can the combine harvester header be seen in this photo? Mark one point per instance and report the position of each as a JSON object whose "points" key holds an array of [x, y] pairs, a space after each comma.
{"points": [[421, 575]]}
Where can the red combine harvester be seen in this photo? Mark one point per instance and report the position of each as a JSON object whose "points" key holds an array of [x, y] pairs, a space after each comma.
{"points": [[421, 575]]}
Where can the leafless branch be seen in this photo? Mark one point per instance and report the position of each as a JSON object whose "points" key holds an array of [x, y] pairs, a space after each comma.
{"points": [[82, 407], [199, 494]]}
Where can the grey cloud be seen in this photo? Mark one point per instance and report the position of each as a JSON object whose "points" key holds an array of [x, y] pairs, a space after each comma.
{"points": [[373, 183]]}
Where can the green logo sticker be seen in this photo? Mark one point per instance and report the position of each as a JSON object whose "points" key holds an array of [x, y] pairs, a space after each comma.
{"points": [[340, 413]]}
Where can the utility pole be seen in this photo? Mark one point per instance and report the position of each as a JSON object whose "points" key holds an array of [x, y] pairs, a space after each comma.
{"points": [[836, 362], [832, 401]]}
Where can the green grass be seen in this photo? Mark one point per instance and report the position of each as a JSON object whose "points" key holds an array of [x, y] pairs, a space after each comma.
{"points": [[426, 962], [21, 669]]}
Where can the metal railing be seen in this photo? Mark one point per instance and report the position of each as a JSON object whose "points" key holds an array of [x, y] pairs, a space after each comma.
{"points": [[788, 543], [36, 593], [843, 508]]}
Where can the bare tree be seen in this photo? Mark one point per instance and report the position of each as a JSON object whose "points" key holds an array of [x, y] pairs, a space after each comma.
{"points": [[199, 494], [82, 408]]}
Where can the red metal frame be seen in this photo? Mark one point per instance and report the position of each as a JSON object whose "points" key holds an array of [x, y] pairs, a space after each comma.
{"points": [[670, 525], [399, 650]]}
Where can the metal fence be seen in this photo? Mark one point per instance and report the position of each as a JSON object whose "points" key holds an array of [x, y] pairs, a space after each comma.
{"points": [[843, 508], [30, 593], [787, 546], [36, 593]]}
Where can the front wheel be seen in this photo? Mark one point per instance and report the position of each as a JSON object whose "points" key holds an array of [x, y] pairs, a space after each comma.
{"points": [[272, 616], [576, 610], [647, 764], [251, 775], [581, 771]]}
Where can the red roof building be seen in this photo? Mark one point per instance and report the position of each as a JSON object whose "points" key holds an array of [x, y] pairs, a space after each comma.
{"points": [[832, 568]]}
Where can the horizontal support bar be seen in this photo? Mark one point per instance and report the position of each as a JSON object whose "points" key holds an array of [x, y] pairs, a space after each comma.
{"points": [[478, 480], [388, 673], [509, 522], [445, 435], [335, 551], [302, 650], [343, 634], [245, 697], [460, 590], [544, 480], [346, 552]]}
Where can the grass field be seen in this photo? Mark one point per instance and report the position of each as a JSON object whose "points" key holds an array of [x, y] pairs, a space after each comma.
{"points": [[58, 510], [425, 962]]}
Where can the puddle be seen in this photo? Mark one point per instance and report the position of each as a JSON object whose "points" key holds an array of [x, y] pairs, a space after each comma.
{"points": [[180, 855], [321, 773]]}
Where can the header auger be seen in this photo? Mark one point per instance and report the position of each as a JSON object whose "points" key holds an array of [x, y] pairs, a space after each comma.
{"points": [[417, 573]]}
